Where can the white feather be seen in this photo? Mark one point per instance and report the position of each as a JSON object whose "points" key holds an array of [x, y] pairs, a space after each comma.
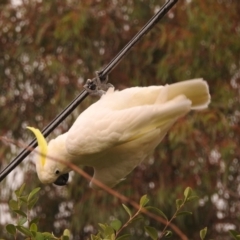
{"points": [[120, 130]]}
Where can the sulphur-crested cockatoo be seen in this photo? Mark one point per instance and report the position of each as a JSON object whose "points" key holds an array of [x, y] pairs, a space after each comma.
{"points": [[119, 131]]}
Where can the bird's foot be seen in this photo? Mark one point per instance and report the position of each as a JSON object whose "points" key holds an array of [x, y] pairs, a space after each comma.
{"points": [[96, 86]]}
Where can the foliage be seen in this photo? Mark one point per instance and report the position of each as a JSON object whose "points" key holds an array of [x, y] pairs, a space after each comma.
{"points": [[49, 48], [28, 227]]}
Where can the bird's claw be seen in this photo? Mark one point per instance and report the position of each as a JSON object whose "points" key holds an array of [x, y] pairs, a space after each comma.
{"points": [[96, 86]]}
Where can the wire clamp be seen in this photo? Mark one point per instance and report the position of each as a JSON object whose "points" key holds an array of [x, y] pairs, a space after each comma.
{"points": [[97, 86]]}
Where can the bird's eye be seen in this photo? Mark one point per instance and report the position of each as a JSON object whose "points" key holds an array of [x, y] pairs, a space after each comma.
{"points": [[57, 172]]}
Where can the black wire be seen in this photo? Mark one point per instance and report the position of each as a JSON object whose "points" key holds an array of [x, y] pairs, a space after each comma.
{"points": [[102, 75]]}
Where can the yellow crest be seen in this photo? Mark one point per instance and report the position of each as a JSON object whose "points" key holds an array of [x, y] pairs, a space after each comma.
{"points": [[42, 143]]}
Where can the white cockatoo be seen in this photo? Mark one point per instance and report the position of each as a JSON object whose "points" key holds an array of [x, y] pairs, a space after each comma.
{"points": [[119, 131]]}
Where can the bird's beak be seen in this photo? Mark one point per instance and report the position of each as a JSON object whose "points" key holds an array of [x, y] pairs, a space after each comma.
{"points": [[62, 180]]}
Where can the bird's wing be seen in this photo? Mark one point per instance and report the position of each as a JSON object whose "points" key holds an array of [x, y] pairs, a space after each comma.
{"points": [[98, 128], [119, 161], [116, 133]]}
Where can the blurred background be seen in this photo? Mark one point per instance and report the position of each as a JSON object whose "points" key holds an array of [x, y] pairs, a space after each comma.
{"points": [[47, 51]]}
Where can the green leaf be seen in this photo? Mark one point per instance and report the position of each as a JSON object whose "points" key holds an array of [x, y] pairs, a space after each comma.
{"points": [[33, 227], [64, 237], [32, 193], [13, 205], [93, 237], [116, 224], [24, 230], [48, 236], [32, 203], [135, 219], [203, 233], [191, 198], [152, 232], [24, 198], [34, 234], [11, 229], [20, 212], [113, 236], [127, 210], [143, 201], [183, 213], [124, 237], [66, 232], [35, 220], [157, 211], [102, 226], [22, 220], [187, 193], [235, 234], [179, 203], [20, 190], [108, 231], [168, 234], [39, 236]]}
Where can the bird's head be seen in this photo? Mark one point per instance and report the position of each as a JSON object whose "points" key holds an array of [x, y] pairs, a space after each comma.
{"points": [[48, 159]]}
